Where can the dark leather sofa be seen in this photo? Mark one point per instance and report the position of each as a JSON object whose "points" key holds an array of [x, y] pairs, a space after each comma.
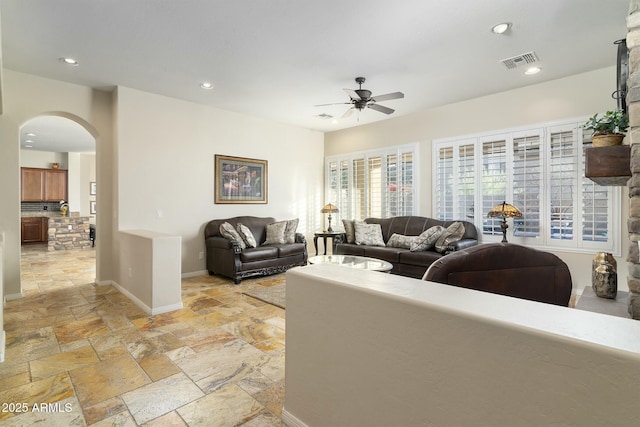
{"points": [[230, 260], [405, 262], [506, 269]]}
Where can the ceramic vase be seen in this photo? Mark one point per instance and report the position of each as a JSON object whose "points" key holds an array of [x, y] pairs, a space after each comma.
{"points": [[604, 276]]}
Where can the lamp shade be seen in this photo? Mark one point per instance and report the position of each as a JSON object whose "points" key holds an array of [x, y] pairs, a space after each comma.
{"points": [[504, 210], [329, 208]]}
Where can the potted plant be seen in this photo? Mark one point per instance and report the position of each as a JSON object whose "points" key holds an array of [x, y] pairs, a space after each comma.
{"points": [[608, 129]]}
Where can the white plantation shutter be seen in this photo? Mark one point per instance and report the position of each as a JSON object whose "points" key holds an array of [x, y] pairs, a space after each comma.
{"points": [[466, 193], [444, 180], [563, 182], [494, 181], [540, 170], [527, 183], [358, 189], [374, 184], [596, 205]]}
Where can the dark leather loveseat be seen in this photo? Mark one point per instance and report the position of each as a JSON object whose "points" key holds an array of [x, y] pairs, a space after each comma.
{"points": [[229, 259], [405, 262], [506, 269]]}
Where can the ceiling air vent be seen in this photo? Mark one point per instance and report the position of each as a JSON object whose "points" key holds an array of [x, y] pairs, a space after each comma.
{"points": [[520, 60]]}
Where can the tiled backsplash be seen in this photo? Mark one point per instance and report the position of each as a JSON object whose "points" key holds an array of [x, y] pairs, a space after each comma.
{"points": [[40, 206]]}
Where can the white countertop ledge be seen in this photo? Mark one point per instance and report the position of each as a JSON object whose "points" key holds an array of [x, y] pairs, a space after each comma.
{"points": [[586, 328]]}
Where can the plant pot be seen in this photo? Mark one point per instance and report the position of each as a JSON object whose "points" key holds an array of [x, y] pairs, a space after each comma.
{"points": [[607, 139]]}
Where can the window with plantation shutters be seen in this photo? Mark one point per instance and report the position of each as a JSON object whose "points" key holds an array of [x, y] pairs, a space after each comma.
{"points": [[380, 183], [540, 170], [493, 181], [444, 180], [527, 183]]}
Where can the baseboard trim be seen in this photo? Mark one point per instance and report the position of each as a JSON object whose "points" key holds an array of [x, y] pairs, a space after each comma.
{"points": [[291, 420], [2, 346], [11, 297], [143, 306], [194, 274]]}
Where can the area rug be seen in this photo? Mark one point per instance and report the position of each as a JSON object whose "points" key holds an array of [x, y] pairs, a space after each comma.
{"points": [[270, 294]]}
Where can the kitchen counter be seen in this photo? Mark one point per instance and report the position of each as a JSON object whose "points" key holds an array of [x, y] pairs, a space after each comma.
{"points": [[47, 214]]}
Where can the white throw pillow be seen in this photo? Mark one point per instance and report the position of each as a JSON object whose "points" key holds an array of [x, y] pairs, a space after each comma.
{"points": [[401, 241], [247, 235], [230, 233], [275, 233], [368, 234], [453, 233], [349, 230], [427, 239], [290, 231]]}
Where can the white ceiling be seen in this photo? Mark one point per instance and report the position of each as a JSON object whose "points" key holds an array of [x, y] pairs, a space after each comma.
{"points": [[277, 59]]}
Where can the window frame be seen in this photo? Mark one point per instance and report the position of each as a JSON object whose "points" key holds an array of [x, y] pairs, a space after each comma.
{"points": [[544, 240], [365, 199]]}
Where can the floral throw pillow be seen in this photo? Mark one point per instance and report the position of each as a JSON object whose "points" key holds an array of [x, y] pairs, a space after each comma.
{"points": [[368, 234], [349, 230], [290, 230], [400, 241], [247, 235], [427, 239], [275, 233], [453, 233], [230, 233]]}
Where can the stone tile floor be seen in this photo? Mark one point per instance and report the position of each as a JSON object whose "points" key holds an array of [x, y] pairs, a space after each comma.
{"points": [[80, 354]]}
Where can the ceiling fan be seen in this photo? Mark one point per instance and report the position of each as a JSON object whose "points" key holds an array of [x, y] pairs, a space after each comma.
{"points": [[362, 98]]}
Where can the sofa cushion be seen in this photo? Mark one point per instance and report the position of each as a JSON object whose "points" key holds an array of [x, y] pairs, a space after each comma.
{"points": [[391, 255], [290, 230], [427, 239], [290, 249], [453, 233], [401, 241], [349, 230], [247, 235], [368, 234], [275, 233], [419, 258], [231, 234], [258, 254]]}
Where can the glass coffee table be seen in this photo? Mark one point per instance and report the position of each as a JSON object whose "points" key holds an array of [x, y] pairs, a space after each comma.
{"points": [[353, 261]]}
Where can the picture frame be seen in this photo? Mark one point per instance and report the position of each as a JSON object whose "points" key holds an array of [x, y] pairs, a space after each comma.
{"points": [[240, 180], [92, 207], [92, 188]]}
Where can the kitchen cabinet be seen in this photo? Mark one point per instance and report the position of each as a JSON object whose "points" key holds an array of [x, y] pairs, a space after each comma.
{"points": [[43, 185], [34, 229]]}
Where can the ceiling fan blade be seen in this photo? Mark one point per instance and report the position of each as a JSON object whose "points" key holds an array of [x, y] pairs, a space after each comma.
{"points": [[335, 103], [347, 113], [381, 108], [388, 96], [353, 94]]}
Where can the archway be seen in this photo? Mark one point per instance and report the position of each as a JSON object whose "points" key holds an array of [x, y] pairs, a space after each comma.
{"points": [[68, 143]]}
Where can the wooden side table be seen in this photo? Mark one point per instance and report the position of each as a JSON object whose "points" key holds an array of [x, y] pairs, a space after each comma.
{"points": [[325, 234]]}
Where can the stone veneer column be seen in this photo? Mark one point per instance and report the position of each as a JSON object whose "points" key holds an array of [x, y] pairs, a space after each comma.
{"points": [[633, 104]]}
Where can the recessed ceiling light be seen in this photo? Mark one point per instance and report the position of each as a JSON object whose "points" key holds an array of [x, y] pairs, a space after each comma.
{"points": [[28, 141], [69, 61], [501, 28], [206, 85], [30, 134], [532, 70], [28, 146]]}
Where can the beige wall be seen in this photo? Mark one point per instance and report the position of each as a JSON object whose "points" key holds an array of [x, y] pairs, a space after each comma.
{"points": [[570, 97], [166, 173], [160, 158], [26, 97]]}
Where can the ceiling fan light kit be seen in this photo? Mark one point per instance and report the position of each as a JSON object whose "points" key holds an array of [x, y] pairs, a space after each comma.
{"points": [[362, 98]]}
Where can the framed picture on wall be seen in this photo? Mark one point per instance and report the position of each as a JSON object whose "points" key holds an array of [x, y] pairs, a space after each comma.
{"points": [[240, 180], [92, 207], [92, 188]]}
